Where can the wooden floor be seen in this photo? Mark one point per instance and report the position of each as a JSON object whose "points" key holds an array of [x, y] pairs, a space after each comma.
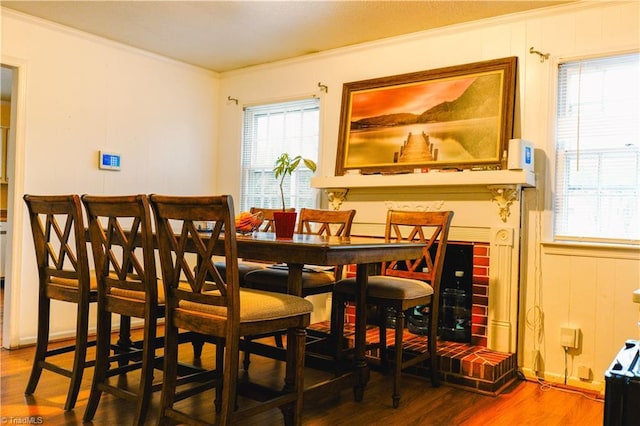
{"points": [[525, 403]]}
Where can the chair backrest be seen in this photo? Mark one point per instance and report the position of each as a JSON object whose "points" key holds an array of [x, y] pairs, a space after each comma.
{"points": [[268, 224], [430, 228], [61, 249], [177, 236], [325, 222], [123, 253]]}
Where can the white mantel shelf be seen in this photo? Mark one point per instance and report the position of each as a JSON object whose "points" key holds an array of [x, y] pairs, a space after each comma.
{"points": [[521, 178], [504, 185]]}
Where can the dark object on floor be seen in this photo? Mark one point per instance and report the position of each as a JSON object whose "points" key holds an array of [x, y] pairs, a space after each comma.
{"points": [[622, 388]]}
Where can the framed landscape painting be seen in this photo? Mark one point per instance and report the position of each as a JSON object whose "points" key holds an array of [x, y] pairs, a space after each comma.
{"points": [[457, 117]]}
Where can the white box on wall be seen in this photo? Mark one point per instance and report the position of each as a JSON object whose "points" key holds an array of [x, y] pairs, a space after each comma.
{"points": [[521, 155]]}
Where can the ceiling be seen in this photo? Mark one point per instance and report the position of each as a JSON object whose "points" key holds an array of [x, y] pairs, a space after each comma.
{"points": [[229, 35]]}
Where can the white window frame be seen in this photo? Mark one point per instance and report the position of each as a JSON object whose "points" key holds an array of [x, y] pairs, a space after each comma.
{"points": [[258, 157], [599, 190]]}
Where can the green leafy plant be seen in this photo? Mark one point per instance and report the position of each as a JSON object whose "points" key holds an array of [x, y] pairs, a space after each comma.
{"points": [[285, 165]]}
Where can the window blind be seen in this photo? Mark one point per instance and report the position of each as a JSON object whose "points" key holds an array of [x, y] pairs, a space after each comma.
{"points": [[270, 130], [597, 188]]}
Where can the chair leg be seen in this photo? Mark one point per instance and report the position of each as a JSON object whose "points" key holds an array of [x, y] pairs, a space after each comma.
{"points": [[146, 374], [198, 343], [382, 329], [398, 357], [170, 371], [229, 380], [246, 360], [124, 342], [79, 359], [103, 345], [294, 376], [336, 335], [434, 363], [220, 368], [42, 341]]}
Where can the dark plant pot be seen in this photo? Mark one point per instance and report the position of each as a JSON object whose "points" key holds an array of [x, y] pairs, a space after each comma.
{"points": [[285, 223]]}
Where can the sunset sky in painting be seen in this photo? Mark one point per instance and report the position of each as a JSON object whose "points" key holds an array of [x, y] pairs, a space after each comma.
{"points": [[414, 99]]}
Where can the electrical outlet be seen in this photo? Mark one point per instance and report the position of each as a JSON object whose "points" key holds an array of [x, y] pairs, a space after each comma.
{"points": [[584, 372], [569, 337]]}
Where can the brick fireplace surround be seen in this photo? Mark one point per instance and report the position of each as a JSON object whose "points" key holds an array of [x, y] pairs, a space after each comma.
{"points": [[470, 366]]}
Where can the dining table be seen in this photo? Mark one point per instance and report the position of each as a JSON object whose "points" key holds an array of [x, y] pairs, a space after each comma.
{"points": [[310, 249]]}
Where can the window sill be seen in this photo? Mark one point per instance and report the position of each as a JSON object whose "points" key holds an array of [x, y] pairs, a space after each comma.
{"points": [[590, 249]]}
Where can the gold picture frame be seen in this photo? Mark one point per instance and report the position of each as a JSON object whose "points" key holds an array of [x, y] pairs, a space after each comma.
{"points": [[457, 117]]}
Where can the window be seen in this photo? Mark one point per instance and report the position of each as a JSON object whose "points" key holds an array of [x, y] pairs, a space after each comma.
{"points": [[598, 150], [270, 130]]}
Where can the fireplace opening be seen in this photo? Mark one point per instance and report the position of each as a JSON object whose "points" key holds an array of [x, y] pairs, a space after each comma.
{"points": [[456, 298], [456, 294]]}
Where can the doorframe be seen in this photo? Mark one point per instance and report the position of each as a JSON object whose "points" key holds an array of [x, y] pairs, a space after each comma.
{"points": [[15, 215]]}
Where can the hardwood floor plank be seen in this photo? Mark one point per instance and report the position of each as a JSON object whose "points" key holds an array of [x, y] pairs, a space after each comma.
{"points": [[524, 403]]}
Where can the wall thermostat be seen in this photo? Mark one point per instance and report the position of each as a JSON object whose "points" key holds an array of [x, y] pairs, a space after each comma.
{"points": [[109, 160]]}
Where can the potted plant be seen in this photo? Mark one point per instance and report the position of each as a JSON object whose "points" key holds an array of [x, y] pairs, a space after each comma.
{"points": [[285, 164]]}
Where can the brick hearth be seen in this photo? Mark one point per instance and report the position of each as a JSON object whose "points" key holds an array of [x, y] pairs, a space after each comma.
{"points": [[471, 367]]}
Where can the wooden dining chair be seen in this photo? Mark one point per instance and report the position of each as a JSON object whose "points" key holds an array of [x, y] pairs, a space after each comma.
{"points": [[246, 265], [58, 233], [276, 277], [311, 221], [226, 312], [122, 242], [403, 285]]}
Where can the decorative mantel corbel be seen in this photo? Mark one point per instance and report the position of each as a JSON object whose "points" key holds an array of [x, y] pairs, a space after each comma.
{"points": [[504, 195], [336, 196]]}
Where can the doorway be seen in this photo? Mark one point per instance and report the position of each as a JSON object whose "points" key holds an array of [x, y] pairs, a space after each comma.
{"points": [[11, 183], [6, 92]]}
